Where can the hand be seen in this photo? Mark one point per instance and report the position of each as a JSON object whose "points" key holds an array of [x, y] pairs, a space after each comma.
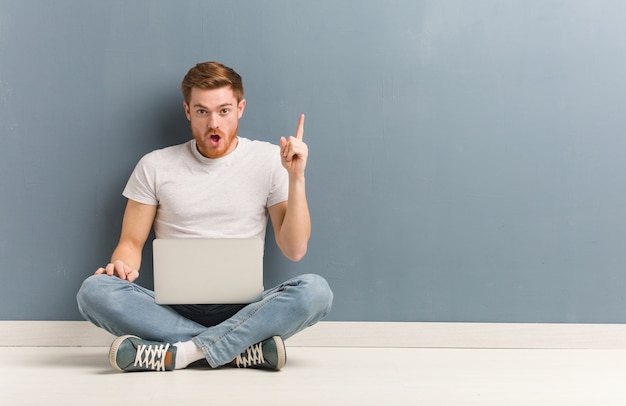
{"points": [[119, 269], [294, 151]]}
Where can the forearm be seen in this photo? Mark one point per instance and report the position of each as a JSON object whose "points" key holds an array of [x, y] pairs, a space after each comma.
{"points": [[294, 223], [138, 219], [126, 258], [296, 228]]}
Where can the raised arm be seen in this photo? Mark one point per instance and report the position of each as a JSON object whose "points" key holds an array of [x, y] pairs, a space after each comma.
{"points": [[291, 219], [136, 225]]}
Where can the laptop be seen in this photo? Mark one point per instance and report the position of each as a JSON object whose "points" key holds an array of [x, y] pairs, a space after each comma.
{"points": [[208, 271]]}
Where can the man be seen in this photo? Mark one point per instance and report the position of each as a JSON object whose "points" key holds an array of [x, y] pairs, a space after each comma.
{"points": [[215, 185]]}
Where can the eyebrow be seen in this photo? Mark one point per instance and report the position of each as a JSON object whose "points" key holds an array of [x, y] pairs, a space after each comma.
{"points": [[206, 108]]}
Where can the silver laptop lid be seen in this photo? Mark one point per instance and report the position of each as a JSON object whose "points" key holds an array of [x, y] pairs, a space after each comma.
{"points": [[208, 271]]}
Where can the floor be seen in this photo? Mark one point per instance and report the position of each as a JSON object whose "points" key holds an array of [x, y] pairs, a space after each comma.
{"points": [[325, 376]]}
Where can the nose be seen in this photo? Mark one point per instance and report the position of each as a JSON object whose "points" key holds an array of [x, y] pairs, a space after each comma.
{"points": [[213, 123]]}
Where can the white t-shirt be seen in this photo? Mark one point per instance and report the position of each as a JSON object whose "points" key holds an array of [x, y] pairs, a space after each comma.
{"points": [[210, 198]]}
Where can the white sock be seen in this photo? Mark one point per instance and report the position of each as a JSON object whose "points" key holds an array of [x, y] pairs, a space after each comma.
{"points": [[186, 353]]}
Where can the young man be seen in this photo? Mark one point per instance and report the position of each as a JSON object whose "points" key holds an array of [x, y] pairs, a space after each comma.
{"points": [[215, 185]]}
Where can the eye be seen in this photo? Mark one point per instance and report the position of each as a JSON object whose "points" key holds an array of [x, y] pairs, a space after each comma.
{"points": [[224, 111], [201, 112]]}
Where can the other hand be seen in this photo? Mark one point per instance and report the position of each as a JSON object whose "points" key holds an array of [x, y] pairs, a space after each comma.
{"points": [[119, 269], [294, 152]]}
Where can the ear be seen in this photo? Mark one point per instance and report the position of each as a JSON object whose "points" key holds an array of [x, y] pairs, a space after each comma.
{"points": [[187, 111], [240, 107]]}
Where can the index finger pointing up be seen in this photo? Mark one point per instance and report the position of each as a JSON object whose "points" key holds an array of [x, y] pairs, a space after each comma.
{"points": [[300, 130]]}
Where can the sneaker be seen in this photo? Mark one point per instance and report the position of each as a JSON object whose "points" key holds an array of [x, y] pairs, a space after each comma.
{"points": [[132, 354], [268, 354]]}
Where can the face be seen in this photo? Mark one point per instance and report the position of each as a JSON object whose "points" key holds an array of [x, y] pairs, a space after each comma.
{"points": [[214, 116]]}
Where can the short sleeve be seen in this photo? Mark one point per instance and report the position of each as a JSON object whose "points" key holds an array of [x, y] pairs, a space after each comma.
{"points": [[141, 184]]}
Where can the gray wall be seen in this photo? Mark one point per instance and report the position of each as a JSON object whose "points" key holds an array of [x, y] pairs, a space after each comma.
{"points": [[466, 157]]}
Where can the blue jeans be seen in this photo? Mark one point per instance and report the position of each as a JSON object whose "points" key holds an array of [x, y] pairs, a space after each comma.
{"points": [[221, 331]]}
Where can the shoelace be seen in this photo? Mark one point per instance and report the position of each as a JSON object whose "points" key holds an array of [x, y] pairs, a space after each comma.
{"points": [[151, 356], [252, 356]]}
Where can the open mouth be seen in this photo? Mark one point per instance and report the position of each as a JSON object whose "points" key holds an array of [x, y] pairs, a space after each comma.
{"points": [[215, 139]]}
